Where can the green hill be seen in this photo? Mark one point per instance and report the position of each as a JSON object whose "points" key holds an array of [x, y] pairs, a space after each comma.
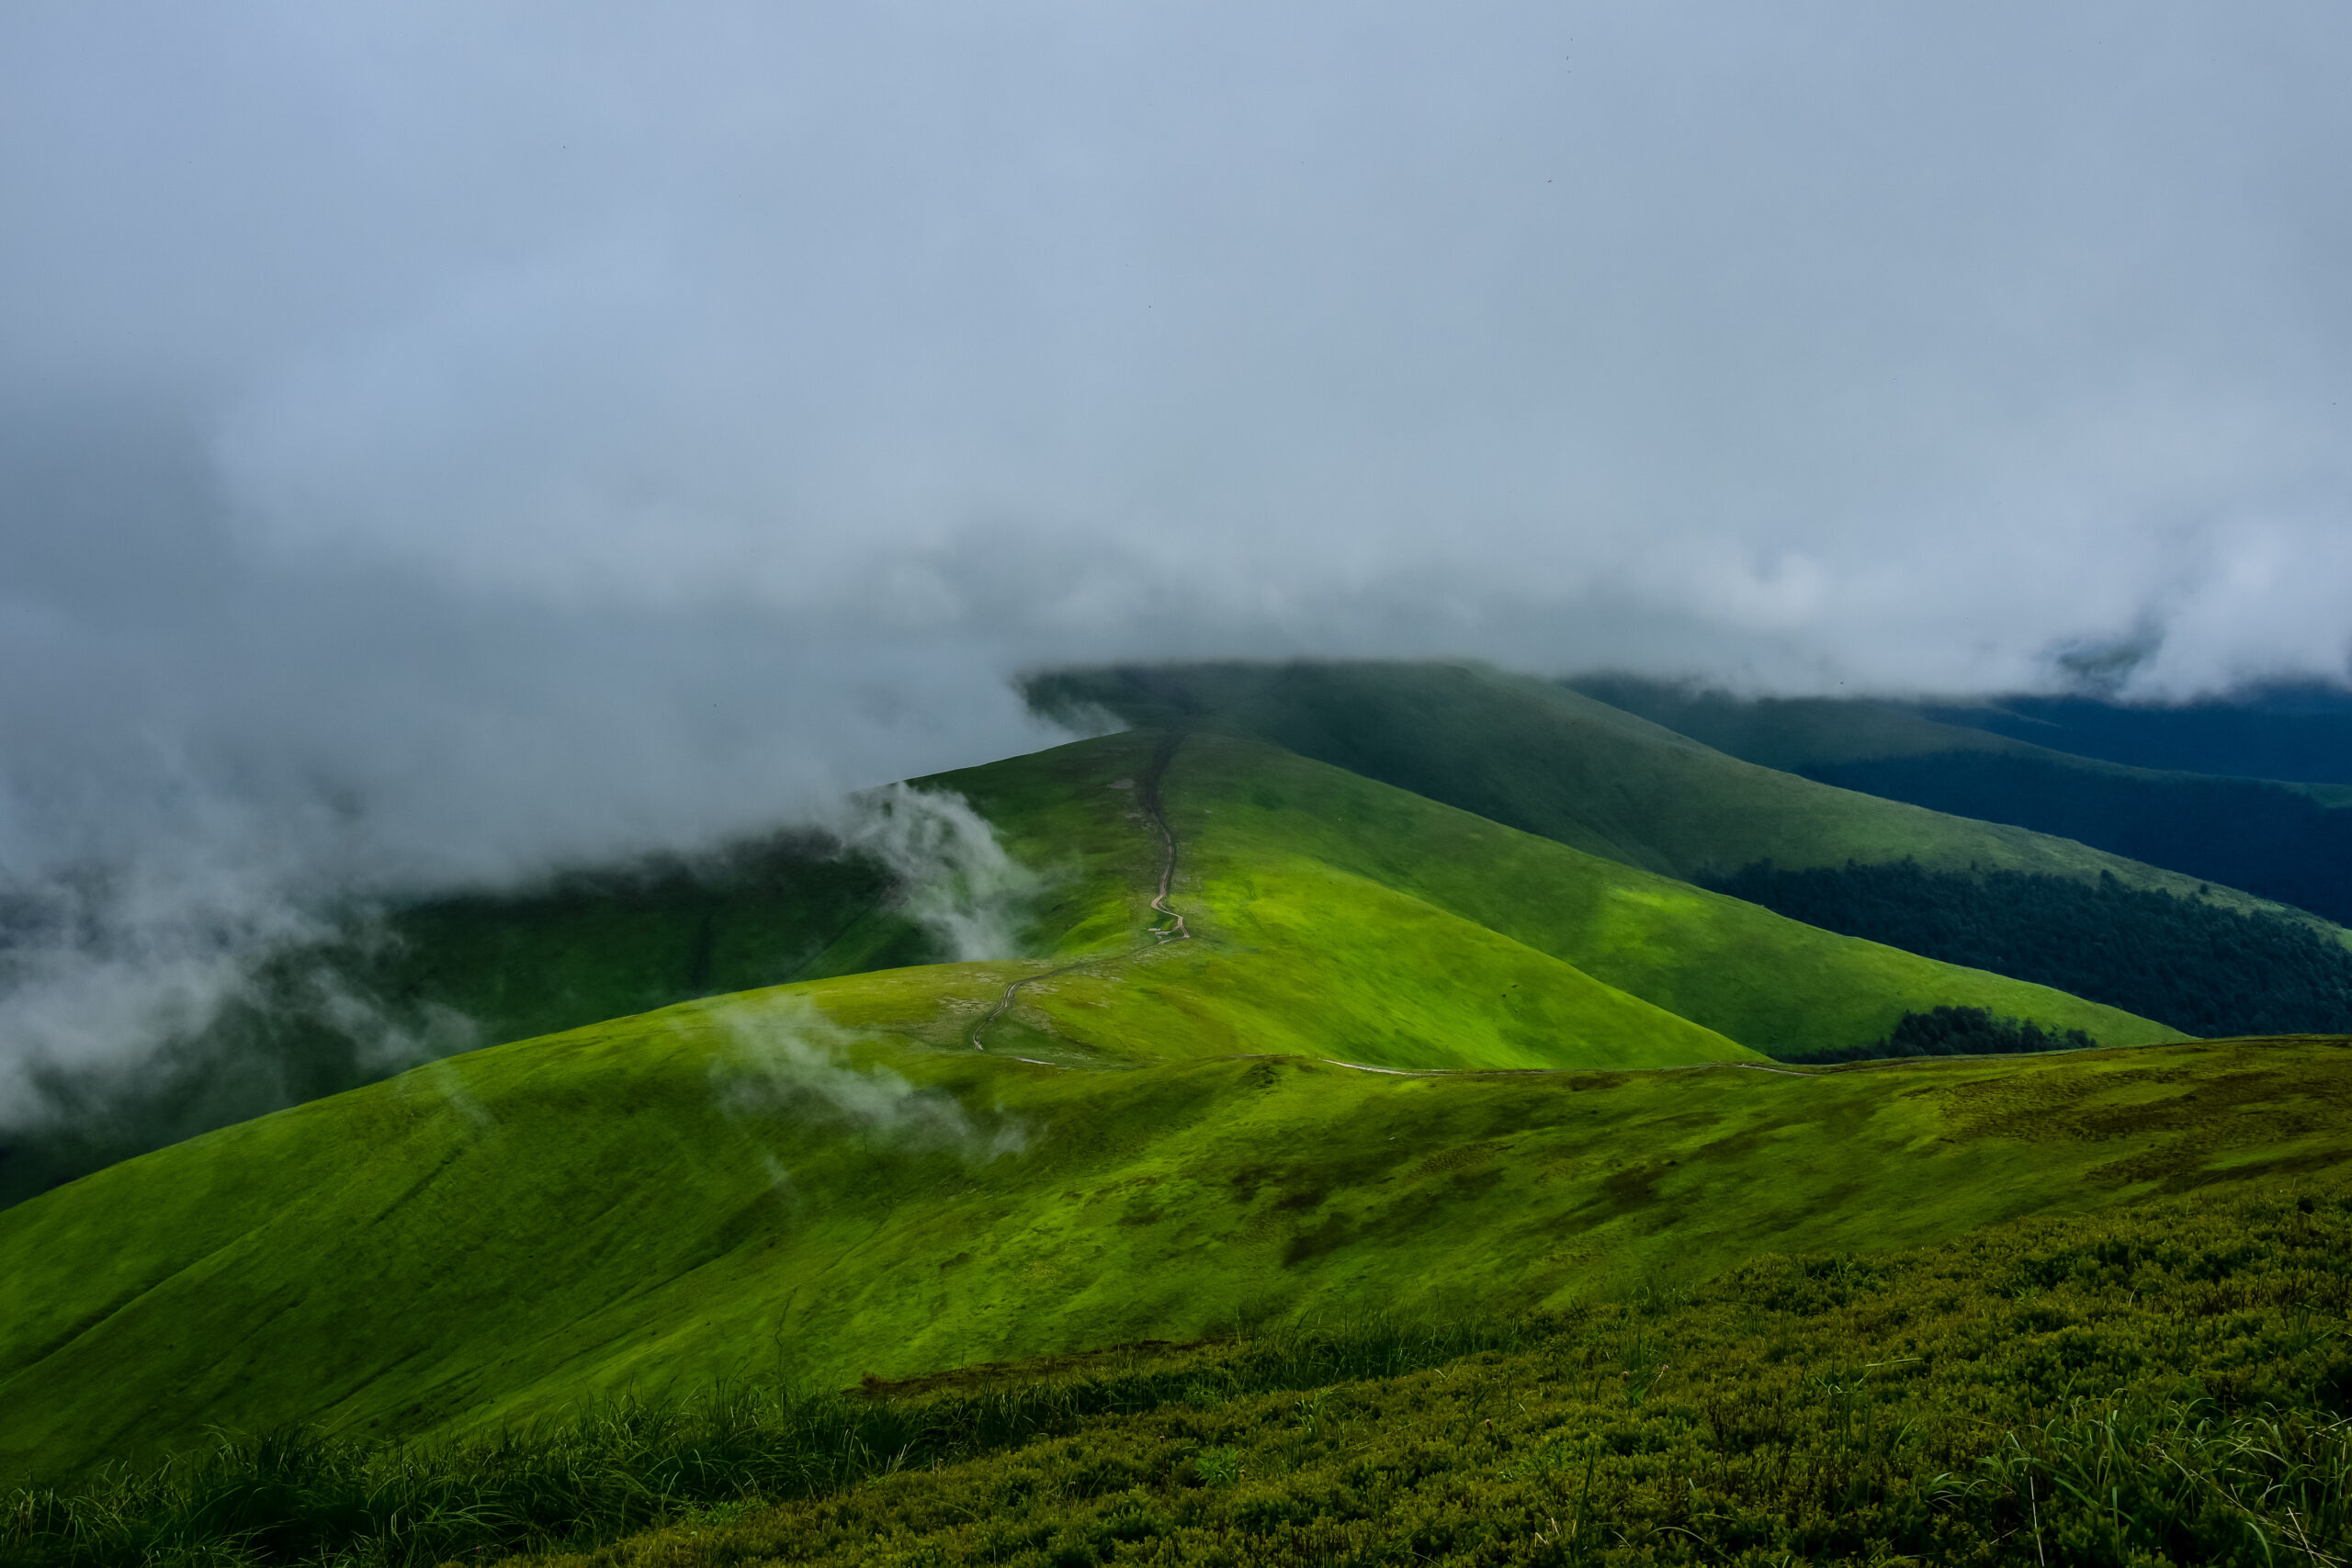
{"points": [[1347, 917], [1396, 896], [1566, 765], [2155, 1382], [739, 1186], [1294, 1043], [1535, 755], [1160, 1137]]}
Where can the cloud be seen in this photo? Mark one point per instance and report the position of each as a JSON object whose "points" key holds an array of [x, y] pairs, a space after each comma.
{"points": [[441, 442], [783, 1058], [954, 878]]}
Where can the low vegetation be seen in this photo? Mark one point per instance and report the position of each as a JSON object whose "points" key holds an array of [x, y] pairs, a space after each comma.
{"points": [[1541, 757], [2161, 1383], [1955, 1031], [2199, 966]]}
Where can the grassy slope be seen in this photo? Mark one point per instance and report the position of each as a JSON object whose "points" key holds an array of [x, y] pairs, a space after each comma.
{"points": [[2151, 1385], [489, 968], [2163, 1371], [685, 1194], [720, 1186], [1537, 756], [1436, 938]]}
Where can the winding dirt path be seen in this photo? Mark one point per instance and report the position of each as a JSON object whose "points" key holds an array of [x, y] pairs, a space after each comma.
{"points": [[1146, 796]]}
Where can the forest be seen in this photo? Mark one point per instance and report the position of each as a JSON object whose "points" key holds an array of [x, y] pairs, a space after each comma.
{"points": [[1953, 1032], [2196, 966], [2265, 838]]}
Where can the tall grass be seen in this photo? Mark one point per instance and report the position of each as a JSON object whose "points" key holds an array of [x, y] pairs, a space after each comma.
{"points": [[2184, 1483]]}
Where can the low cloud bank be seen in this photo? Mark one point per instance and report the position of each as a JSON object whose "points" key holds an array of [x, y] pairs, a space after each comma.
{"points": [[430, 456]]}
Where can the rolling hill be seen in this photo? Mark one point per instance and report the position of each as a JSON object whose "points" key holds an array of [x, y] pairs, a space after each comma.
{"points": [[827, 1179], [2191, 951], [1535, 755], [1341, 910], [447, 972], [737, 1186]]}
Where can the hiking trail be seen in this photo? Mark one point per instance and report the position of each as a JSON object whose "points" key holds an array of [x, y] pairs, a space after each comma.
{"points": [[1147, 797]]}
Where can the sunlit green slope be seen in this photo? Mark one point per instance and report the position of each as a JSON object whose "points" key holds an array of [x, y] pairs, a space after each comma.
{"points": [[1340, 916], [1535, 755], [734, 1187]]}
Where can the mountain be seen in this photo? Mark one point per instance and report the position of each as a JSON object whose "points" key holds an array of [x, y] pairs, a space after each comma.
{"points": [[2297, 732], [1136, 1133], [2196, 954], [442, 974], [1341, 908], [1536, 755], [1290, 1043]]}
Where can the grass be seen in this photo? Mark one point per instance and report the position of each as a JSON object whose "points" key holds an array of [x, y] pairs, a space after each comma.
{"points": [[724, 1189], [2157, 1383], [1353, 918], [822, 1180], [295, 1496]]}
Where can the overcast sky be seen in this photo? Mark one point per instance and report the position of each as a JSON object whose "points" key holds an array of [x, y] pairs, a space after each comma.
{"points": [[437, 439]]}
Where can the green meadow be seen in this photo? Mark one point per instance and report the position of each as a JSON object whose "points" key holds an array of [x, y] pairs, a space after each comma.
{"points": [[1402, 1059]]}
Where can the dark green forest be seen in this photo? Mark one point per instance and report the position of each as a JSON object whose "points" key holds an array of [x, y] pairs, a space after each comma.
{"points": [[2302, 732], [2199, 968], [1953, 1031], [2263, 838]]}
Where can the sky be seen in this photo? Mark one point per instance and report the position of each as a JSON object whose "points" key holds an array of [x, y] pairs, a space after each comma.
{"points": [[439, 441]]}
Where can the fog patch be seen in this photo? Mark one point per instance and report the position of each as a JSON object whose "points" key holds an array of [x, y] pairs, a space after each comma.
{"points": [[100, 966], [787, 1059], [955, 880], [172, 996]]}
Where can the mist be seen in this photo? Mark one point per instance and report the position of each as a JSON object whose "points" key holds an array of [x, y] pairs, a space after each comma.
{"points": [[442, 442]]}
